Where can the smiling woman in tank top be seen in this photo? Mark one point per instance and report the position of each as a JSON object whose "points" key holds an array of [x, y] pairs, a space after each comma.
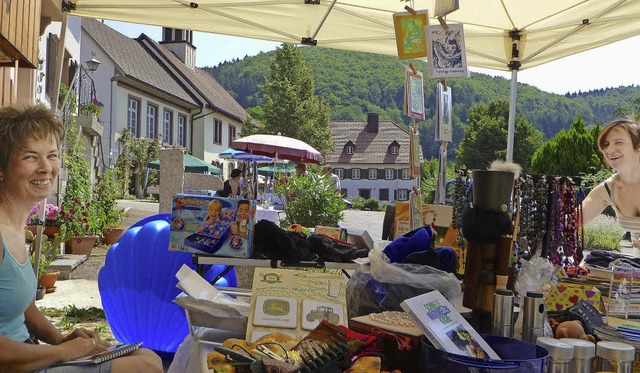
{"points": [[619, 143]]}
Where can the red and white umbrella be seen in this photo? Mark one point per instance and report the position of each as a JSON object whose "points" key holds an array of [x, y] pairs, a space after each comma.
{"points": [[277, 146]]}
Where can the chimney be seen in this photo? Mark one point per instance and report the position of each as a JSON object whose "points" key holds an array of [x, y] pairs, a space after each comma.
{"points": [[372, 123], [180, 42]]}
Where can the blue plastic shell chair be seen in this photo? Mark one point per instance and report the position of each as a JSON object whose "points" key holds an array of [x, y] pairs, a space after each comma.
{"points": [[137, 285]]}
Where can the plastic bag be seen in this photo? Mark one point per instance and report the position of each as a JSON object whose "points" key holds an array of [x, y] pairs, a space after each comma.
{"points": [[382, 286]]}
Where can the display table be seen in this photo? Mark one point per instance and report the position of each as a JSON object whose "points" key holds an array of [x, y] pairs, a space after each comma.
{"points": [[204, 262], [267, 213]]}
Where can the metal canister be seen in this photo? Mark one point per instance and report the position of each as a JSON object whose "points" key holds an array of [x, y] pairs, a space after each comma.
{"points": [[502, 320], [615, 356], [584, 352], [560, 354], [534, 311]]}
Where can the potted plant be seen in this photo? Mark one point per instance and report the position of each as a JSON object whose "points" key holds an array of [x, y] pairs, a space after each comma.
{"points": [[77, 211], [52, 219], [109, 214], [311, 200], [49, 249], [81, 226], [91, 108]]}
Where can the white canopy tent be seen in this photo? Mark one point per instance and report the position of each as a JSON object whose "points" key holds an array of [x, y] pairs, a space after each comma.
{"points": [[507, 35]]}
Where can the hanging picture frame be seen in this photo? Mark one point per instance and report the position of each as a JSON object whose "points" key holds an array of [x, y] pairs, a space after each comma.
{"points": [[444, 126], [414, 95], [446, 51], [410, 37]]}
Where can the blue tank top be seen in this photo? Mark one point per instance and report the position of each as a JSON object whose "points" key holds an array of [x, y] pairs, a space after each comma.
{"points": [[17, 291]]}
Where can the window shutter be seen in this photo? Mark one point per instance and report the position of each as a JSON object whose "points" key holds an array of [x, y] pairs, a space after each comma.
{"points": [[395, 194], [347, 173], [381, 173], [52, 56]]}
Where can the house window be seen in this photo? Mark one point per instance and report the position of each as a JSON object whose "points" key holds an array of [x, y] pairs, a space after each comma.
{"points": [[182, 131], [151, 121], [217, 131], [355, 174], [403, 194], [232, 134], [349, 149], [133, 117], [166, 127], [388, 173], [339, 173], [405, 174], [384, 195], [373, 174], [364, 193], [394, 150]]}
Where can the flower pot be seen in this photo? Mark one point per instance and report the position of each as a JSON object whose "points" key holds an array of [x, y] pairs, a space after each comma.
{"points": [[40, 291], [80, 245], [48, 279], [112, 235], [49, 230]]}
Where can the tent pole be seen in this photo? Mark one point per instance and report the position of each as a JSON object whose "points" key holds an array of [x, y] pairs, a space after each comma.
{"points": [[512, 115]]}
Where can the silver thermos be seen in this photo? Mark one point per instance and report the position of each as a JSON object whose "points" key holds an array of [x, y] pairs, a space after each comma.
{"points": [[533, 316], [502, 320]]}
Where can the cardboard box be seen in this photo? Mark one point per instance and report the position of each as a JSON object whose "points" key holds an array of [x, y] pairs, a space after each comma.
{"points": [[212, 225], [566, 295]]}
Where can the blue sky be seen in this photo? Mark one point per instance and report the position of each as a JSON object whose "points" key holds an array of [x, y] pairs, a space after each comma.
{"points": [[613, 65]]}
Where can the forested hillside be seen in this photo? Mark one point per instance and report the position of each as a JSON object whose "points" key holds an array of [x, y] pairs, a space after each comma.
{"points": [[354, 83]]}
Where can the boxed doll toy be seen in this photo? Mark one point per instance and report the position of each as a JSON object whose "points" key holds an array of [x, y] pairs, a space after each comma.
{"points": [[212, 225]]}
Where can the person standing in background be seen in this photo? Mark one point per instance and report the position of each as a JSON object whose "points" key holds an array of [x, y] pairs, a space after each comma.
{"points": [[327, 169]]}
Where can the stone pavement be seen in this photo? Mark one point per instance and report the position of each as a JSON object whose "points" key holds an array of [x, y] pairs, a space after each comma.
{"points": [[81, 287]]}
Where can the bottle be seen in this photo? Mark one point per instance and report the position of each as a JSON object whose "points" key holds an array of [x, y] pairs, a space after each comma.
{"points": [[584, 352], [615, 356], [502, 321], [560, 354], [533, 316]]}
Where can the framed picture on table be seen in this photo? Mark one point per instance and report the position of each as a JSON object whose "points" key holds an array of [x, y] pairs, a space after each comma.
{"points": [[410, 37]]}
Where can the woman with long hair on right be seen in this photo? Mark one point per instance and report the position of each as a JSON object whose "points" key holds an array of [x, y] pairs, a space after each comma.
{"points": [[619, 143]]}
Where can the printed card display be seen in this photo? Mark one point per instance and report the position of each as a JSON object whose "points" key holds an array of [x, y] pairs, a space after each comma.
{"points": [[444, 127], [445, 328], [446, 54], [410, 38], [212, 225], [294, 302]]}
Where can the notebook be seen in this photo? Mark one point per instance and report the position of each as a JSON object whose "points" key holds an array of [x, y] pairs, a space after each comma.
{"points": [[113, 353]]}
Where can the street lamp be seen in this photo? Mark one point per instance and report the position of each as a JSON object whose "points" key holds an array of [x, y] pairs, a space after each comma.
{"points": [[92, 65], [87, 85]]}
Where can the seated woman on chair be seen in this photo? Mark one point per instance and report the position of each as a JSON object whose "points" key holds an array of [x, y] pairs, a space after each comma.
{"points": [[29, 165]]}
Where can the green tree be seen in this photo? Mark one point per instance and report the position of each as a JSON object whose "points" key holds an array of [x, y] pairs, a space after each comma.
{"points": [[132, 162], [633, 112], [291, 106], [485, 137], [568, 153]]}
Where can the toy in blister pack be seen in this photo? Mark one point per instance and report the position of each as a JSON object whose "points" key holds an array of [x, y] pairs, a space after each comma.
{"points": [[212, 226]]}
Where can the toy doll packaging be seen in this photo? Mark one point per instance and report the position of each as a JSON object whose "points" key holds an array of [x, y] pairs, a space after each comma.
{"points": [[212, 225]]}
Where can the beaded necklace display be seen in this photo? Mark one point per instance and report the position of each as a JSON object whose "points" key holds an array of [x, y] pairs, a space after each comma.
{"points": [[566, 244]]}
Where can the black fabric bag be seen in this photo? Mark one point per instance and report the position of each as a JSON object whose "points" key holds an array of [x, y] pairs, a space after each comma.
{"points": [[273, 242], [331, 250]]}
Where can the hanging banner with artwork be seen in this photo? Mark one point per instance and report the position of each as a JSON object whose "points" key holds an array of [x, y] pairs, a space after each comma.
{"points": [[410, 37], [443, 128], [414, 95], [446, 52]]}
